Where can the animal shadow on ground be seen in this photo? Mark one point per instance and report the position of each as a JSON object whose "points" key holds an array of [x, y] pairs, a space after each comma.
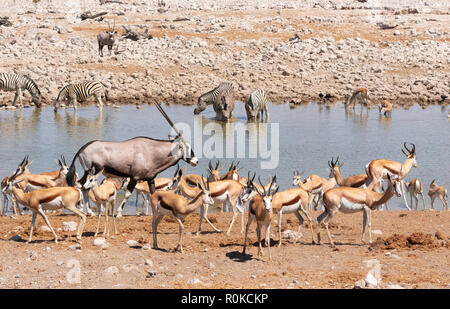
{"points": [[237, 256]]}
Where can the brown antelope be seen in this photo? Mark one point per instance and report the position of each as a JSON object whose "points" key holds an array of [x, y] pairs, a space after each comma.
{"points": [[260, 209], [377, 170], [314, 185], [385, 108], [213, 173], [361, 94], [293, 200], [440, 192], [104, 196], [355, 181], [222, 191], [351, 200], [161, 183], [414, 187], [50, 198], [233, 172], [167, 203], [193, 179]]}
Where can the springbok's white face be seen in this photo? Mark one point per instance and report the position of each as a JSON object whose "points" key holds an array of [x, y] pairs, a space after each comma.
{"points": [[414, 160], [90, 181], [9, 185], [297, 180], [207, 197], [267, 202]]}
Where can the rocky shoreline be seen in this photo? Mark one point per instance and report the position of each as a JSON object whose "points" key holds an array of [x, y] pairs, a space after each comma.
{"points": [[293, 50]]}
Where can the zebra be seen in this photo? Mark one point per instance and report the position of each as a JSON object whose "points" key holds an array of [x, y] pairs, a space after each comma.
{"points": [[256, 105], [80, 92], [222, 98], [18, 83]]}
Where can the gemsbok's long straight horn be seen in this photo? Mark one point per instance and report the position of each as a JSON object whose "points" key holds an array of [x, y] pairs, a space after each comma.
{"points": [[158, 106]]}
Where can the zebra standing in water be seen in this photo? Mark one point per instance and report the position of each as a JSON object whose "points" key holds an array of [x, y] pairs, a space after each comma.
{"points": [[81, 92], [18, 83], [222, 98], [256, 105]]}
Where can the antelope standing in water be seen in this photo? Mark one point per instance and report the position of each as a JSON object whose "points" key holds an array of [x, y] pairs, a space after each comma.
{"points": [[385, 108], [361, 94], [350, 200], [414, 187], [440, 192]]}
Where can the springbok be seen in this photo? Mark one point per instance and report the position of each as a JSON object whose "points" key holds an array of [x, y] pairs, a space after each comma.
{"points": [[105, 198], [361, 94], [377, 170], [190, 193], [440, 192], [168, 203], [313, 185], [161, 183], [46, 199], [139, 158], [260, 209], [355, 181], [213, 172], [414, 187], [385, 108], [351, 200]]}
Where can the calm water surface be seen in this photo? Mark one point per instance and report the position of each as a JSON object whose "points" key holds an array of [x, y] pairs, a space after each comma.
{"points": [[309, 136]]}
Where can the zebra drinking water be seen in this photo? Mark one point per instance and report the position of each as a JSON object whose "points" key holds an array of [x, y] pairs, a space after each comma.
{"points": [[81, 92], [222, 98], [256, 105], [18, 83]]}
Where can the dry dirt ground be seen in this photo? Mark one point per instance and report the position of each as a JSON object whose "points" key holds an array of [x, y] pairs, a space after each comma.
{"points": [[411, 247]]}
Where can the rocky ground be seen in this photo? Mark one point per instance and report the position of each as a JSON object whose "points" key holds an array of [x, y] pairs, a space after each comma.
{"points": [[410, 250], [293, 49]]}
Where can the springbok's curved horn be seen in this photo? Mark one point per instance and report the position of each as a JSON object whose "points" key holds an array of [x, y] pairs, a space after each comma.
{"points": [[330, 164], [432, 182], [231, 166], [235, 167], [414, 148], [404, 145], [259, 179], [158, 106], [210, 166], [217, 165], [404, 152], [63, 160], [273, 179]]}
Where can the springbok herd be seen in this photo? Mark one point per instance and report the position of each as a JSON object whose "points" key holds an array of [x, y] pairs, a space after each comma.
{"points": [[183, 194]]}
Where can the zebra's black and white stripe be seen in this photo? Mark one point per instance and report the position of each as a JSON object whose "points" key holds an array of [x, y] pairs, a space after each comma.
{"points": [[222, 98], [81, 92], [19, 83], [256, 105]]}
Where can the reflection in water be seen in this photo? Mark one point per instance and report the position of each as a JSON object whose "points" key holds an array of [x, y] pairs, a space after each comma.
{"points": [[308, 137]]}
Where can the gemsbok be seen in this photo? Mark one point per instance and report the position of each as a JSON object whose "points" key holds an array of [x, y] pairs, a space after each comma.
{"points": [[351, 200], [414, 187], [379, 169], [167, 203], [139, 158], [260, 209], [440, 192]]}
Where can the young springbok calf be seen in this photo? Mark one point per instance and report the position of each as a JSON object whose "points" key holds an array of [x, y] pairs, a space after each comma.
{"points": [[47, 199], [440, 192], [104, 196], [350, 200], [167, 203], [260, 209], [414, 187]]}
